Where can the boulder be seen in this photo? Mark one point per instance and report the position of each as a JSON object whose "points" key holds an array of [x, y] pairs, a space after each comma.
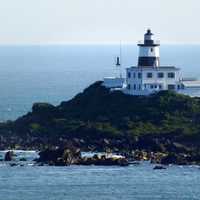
{"points": [[49, 155], [173, 158], [23, 159], [13, 164], [9, 156], [71, 156], [158, 167], [59, 157]]}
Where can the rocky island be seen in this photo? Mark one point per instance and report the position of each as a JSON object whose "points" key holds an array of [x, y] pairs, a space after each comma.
{"points": [[163, 127]]}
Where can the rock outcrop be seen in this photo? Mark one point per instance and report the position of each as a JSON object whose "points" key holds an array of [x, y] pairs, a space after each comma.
{"points": [[104, 160], [163, 127], [60, 157], [9, 156], [159, 167], [67, 156]]}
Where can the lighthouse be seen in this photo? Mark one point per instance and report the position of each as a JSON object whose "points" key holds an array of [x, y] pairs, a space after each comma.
{"points": [[149, 76], [149, 51]]}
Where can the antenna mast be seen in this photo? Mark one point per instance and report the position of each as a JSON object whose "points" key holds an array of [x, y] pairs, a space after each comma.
{"points": [[119, 61]]}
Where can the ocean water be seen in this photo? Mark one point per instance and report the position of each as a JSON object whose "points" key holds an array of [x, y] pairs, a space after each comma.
{"points": [[139, 182], [55, 73], [52, 74], [100, 183]]}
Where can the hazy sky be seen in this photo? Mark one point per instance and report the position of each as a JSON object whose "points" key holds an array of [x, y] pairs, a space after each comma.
{"points": [[98, 21]]}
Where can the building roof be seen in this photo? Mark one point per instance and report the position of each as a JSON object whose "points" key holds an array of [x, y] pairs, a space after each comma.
{"points": [[153, 68], [191, 83]]}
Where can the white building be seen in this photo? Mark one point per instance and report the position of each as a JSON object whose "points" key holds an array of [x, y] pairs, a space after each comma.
{"points": [[149, 76]]}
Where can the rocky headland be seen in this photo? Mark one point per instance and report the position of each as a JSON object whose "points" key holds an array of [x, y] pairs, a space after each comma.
{"points": [[163, 128]]}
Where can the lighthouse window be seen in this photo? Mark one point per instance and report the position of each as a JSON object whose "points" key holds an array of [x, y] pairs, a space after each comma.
{"points": [[149, 75], [160, 75], [139, 75], [171, 75], [171, 87]]}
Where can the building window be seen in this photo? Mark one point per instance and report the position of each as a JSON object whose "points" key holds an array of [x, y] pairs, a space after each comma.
{"points": [[149, 75], [134, 87], [129, 75], [134, 75], [171, 87], [151, 86], [171, 75], [139, 87], [160, 75], [128, 86], [178, 87], [160, 87], [139, 75], [151, 49]]}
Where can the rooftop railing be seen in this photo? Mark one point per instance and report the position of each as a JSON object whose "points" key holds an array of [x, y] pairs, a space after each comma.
{"points": [[154, 42]]}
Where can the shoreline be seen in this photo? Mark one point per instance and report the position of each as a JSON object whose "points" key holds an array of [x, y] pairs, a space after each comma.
{"points": [[73, 156]]}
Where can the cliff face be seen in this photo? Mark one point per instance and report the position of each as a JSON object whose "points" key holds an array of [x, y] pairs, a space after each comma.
{"points": [[97, 115]]}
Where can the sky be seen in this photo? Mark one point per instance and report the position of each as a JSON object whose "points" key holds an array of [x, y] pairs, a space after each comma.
{"points": [[98, 21]]}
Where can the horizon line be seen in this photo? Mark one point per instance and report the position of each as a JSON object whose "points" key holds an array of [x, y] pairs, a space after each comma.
{"points": [[88, 43]]}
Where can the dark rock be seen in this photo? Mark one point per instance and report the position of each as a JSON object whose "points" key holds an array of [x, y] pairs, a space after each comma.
{"points": [[13, 164], [23, 159], [59, 157], [173, 158], [50, 155], [158, 167], [9, 156], [71, 156], [123, 162], [141, 155], [104, 161]]}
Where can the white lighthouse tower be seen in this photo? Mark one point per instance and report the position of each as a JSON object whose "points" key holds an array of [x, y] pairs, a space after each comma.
{"points": [[149, 51], [149, 76]]}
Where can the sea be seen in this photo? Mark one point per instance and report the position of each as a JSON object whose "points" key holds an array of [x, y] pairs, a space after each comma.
{"points": [[55, 73], [27, 181]]}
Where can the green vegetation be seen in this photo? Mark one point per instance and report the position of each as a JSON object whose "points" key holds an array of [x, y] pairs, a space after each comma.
{"points": [[163, 113]]}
